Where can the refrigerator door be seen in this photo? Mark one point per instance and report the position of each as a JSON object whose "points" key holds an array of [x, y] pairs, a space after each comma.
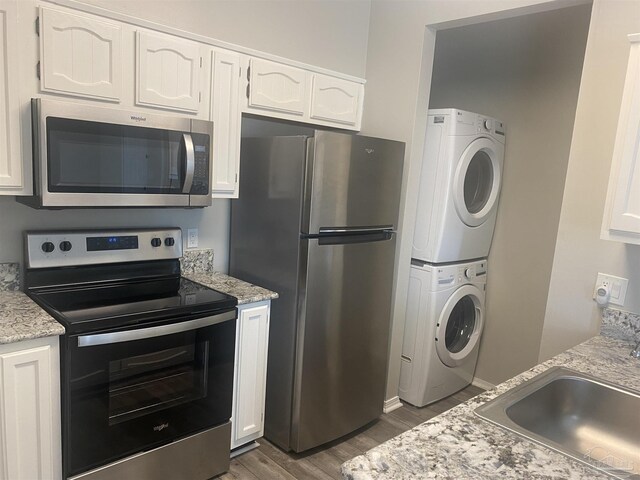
{"points": [[343, 334], [351, 181]]}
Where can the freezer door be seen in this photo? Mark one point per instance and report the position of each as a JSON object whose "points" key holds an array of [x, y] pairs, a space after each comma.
{"points": [[343, 334], [351, 181]]}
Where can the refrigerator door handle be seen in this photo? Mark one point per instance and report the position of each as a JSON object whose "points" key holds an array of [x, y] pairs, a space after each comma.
{"points": [[348, 230]]}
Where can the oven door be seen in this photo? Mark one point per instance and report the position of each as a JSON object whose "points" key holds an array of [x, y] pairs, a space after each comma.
{"points": [[133, 390], [102, 157]]}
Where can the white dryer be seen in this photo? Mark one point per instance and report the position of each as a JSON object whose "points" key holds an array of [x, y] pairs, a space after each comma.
{"points": [[444, 322], [459, 186]]}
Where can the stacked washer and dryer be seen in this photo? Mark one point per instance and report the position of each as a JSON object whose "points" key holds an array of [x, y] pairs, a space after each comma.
{"points": [[457, 204]]}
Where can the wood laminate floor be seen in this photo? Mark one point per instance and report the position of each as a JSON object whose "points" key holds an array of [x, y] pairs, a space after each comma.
{"points": [[269, 462]]}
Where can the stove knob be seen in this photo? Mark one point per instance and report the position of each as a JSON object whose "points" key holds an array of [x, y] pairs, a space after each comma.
{"points": [[156, 242], [65, 246], [169, 241], [48, 247]]}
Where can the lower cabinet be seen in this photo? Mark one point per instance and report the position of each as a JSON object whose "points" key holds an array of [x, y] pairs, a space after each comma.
{"points": [[250, 376], [30, 445]]}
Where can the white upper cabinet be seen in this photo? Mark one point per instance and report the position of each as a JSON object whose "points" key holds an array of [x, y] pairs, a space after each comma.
{"points": [[336, 100], [622, 210], [10, 149], [80, 55], [277, 87], [226, 116], [167, 72]]}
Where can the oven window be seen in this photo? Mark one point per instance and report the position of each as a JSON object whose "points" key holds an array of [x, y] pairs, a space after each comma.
{"points": [[93, 157], [143, 384]]}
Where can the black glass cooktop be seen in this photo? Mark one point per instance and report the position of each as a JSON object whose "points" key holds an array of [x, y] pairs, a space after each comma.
{"points": [[118, 304]]}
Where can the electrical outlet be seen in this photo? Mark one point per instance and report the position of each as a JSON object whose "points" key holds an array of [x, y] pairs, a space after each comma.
{"points": [[617, 287], [192, 238]]}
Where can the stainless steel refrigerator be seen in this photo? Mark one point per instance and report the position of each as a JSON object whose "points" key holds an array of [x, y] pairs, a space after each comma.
{"points": [[316, 222]]}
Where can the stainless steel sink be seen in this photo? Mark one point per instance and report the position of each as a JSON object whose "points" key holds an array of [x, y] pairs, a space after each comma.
{"points": [[586, 418]]}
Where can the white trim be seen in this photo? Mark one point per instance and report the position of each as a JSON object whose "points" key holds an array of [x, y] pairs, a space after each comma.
{"points": [[392, 404], [103, 12], [480, 383], [634, 37]]}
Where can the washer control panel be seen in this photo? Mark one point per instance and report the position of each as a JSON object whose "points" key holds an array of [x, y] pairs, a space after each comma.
{"points": [[457, 274], [46, 249]]}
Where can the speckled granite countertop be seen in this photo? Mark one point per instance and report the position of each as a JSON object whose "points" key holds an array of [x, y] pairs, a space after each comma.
{"points": [[22, 319], [243, 291], [459, 445]]}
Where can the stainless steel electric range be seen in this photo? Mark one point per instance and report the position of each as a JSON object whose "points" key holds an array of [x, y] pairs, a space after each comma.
{"points": [[147, 358]]}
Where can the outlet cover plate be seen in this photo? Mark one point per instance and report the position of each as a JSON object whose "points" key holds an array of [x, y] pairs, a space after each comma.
{"points": [[617, 287], [192, 238]]}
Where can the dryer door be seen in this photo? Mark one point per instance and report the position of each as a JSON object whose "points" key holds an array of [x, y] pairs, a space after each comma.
{"points": [[460, 325], [476, 184]]}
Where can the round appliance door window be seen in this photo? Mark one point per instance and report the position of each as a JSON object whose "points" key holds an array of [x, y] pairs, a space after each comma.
{"points": [[476, 184], [460, 325]]}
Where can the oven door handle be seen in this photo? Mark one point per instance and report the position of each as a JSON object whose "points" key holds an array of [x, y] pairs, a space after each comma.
{"points": [[190, 162], [142, 333]]}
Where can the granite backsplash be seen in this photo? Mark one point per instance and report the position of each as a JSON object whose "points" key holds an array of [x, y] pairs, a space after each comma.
{"points": [[197, 261], [9, 277]]}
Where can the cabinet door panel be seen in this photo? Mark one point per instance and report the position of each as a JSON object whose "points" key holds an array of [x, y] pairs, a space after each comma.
{"points": [[623, 199], [251, 373], [226, 124], [80, 55], [335, 100], [168, 72], [10, 148], [277, 87], [29, 409]]}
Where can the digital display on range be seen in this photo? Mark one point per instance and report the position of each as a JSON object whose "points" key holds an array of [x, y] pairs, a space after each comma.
{"points": [[95, 244]]}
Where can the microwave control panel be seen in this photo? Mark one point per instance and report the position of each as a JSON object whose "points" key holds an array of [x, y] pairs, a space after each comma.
{"points": [[201, 174]]}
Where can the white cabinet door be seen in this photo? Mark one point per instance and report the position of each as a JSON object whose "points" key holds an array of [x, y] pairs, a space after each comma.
{"points": [[277, 87], [167, 72], [30, 410], [226, 118], [336, 100], [80, 55], [250, 373], [622, 212], [10, 149]]}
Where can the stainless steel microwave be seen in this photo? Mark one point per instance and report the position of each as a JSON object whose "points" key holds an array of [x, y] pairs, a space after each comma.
{"points": [[92, 157]]}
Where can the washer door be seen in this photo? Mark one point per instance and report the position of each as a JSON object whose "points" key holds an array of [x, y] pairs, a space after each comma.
{"points": [[476, 183], [460, 325]]}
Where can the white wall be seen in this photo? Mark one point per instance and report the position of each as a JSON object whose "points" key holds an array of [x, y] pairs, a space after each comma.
{"points": [[571, 314], [329, 34], [526, 72], [399, 65], [326, 33]]}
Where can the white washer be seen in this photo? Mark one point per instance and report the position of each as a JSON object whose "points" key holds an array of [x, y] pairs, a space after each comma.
{"points": [[444, 322], [459, 186]]}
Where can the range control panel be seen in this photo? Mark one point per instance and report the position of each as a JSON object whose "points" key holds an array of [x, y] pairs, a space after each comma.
{"points": [[46, 249]]}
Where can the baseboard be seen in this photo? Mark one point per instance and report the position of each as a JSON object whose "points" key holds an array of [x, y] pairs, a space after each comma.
{"points": [[244, 449], [391, 404], [483, 384]]}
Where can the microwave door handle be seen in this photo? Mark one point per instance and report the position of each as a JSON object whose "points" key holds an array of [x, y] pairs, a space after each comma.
{"points": [[190, 162]]}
